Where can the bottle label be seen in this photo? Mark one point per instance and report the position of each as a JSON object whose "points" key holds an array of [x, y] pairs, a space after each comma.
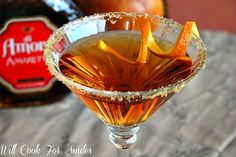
{"points": [[22, 65]]}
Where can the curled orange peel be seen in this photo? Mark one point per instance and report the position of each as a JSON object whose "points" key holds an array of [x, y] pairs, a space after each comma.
{"points": [[177, 51], [146, 39], [180, 47], [101, 45]]}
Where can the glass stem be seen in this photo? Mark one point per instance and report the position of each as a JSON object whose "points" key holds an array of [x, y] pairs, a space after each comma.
{"points": [[123, 138], [123, 152]]}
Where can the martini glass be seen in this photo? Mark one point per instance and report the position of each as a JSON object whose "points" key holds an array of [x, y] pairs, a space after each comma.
{"points": [[121, 92]]}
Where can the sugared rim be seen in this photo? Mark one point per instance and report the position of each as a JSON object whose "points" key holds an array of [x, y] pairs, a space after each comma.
{"points": [[117, 95]]}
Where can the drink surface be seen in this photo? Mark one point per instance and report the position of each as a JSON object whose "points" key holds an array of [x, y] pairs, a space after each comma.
{"points": [[87, 65], [84, 63]]}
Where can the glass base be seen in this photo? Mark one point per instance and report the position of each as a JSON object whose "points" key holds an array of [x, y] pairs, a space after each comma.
{"points": [[123, 137]]}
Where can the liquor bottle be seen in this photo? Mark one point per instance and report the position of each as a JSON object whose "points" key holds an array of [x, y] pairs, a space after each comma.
{"points": [[156, 7], [25, 26]]}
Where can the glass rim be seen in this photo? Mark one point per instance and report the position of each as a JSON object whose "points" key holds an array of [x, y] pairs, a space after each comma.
{"points": [[119, 95]]}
